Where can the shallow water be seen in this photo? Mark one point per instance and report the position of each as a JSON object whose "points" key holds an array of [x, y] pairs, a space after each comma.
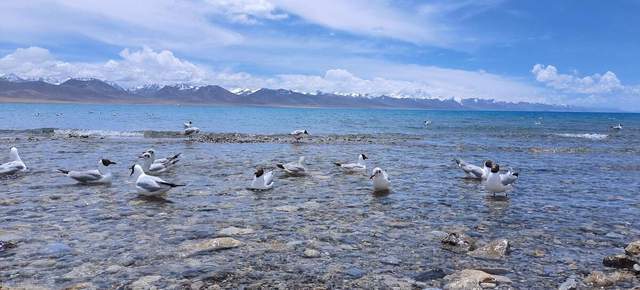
{"points": [[576, 199]]}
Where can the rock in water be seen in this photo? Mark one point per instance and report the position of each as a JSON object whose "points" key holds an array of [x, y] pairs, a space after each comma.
{"points": [[311, 253], [473, 280], [599, 279], [458, 243], [569, 284], [234, 231], [5, 245], [430, 275], [633, 248], [618, 261], [216, 244], [496, 250]]}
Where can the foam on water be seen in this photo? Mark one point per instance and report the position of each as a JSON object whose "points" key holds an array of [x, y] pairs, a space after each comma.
{"points": [[96, 133], [591, 136]]}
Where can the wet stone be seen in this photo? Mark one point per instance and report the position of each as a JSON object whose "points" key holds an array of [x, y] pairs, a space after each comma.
{"points": [[5, 245], [145, 283], [474, 279], [235, 231], [355, 272], [618, 261], [633, 248], [569, 284], [600, 279], [311, 253], [495, 250], [191, 248], [457, 243], [430, 275], [390, 261]]}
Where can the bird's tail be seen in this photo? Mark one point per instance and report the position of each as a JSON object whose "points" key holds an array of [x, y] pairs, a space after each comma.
{"points": [[337, 163], [174, 157], [63, 171], [279, 165], [172, 184]]}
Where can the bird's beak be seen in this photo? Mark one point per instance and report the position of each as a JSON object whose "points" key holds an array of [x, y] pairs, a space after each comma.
{"points": [[140, 156], [372, 176], [131, 171]]}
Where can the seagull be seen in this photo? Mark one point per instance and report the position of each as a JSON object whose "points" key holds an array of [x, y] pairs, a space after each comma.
{"points": [[380, 180], [187, 124], [427, 123], [358, 166], [497, 183], [473, 171], [165, 161], [299, 134], [15, 165], [617, 127], [191, 131], [152, 186], [262, 180], [154, 168], [96, 176], [294, 168]]}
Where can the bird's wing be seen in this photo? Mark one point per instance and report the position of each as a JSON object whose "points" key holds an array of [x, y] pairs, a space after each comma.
{"points": [[294, 167], [11, 167], [471, 169], [85, 176], [157, 167], [268, 178], [352, 166], [150, 183], [508, 178]]}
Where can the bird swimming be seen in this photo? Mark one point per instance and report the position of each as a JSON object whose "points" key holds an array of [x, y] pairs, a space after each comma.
{"points": [[152, 167], [358, 166], [294, 168], [102, 175], [497, 183], [617, 127], [473, 171], [191, 131], [427, 123], [187, 124], [299, 134], [168, 161], [151, 186], [262, 180], [381, 181], [14, 165]]}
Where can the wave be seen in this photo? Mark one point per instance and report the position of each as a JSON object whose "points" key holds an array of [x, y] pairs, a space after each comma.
{"points": [[95, 133], [590, 136]]}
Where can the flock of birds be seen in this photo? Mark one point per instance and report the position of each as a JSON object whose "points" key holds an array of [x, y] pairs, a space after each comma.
{"points": [[149, 184]]}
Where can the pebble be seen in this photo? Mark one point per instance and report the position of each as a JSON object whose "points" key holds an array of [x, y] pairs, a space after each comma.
{"points": [[390, 261], [191, 248], [234, 231], [618, 261], [633, 248], [458, 243], [470, 279], [569, 284], [495, 250], [311, 253], [430, 275], [145, 283]]}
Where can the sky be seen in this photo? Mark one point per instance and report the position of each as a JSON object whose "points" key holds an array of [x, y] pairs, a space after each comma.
{"points": [[581, 53]]}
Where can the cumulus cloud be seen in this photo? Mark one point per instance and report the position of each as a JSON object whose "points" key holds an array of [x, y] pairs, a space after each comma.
{"points": [[147, 66], [593, 84]]}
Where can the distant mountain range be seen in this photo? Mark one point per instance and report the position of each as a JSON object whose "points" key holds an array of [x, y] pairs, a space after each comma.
{"points": [[15, 89]]}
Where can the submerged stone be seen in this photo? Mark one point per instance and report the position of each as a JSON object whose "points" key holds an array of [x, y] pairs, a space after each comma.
{"points": [[496, 250]]}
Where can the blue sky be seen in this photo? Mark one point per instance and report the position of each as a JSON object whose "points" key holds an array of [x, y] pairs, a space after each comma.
{"points": [[581, 53]]}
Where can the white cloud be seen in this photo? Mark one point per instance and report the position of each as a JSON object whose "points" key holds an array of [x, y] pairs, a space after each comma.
{"points": [[246, 11], [147, 66], [594, 84], [373, 18]]}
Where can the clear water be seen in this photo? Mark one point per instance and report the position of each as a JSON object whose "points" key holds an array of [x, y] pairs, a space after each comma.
{"points": [[576, 199]]}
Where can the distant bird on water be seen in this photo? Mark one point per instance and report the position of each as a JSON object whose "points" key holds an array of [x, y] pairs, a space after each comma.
{"points": [[617, 127], [102, 175], [358, 166], [262, 180], [299, 134], [189, 129], [427, 123], [294, 168]]}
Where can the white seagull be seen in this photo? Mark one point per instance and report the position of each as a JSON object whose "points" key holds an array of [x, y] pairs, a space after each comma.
{"points": [[171, 160], [617, 127], [427, 123], [15, 164], [148, 185], [262, 180], [299, 134], [187, 124], [154, 168], [191, 131], [473, 171], [497, 183], [381, 181], [294, 168], [102, 175], [358, 166]]}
